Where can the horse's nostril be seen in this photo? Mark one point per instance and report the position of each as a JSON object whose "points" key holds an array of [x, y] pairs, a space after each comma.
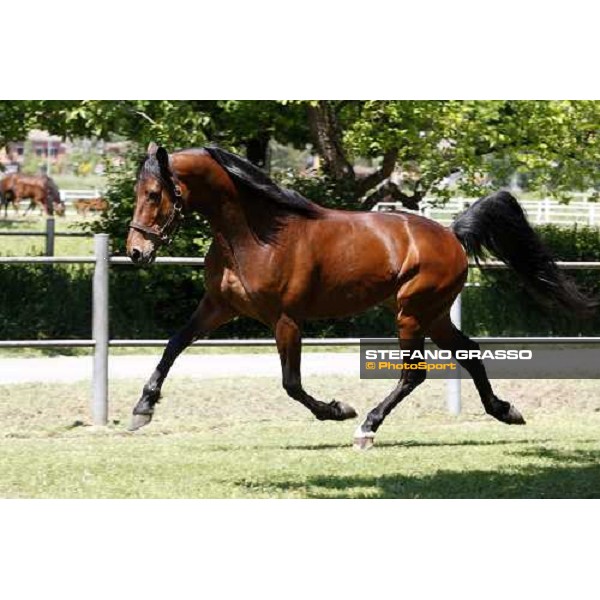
{"points": [[135, 255]]}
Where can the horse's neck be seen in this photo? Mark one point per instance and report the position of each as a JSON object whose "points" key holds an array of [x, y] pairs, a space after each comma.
{"points": [[238, 223], [232, 232], [247, 233]]}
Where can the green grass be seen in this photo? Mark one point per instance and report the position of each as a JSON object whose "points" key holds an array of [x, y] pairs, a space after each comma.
{"points": [[35, 246], [244, 439]]}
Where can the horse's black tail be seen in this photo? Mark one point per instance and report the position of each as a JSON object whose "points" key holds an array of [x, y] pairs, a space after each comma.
{"points": [[498, 224]]}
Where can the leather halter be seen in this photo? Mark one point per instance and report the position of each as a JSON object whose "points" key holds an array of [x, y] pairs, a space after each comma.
{"points": [[165, 233]]}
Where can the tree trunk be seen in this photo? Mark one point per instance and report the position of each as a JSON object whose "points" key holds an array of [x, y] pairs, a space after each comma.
{"points": [[327, 137]]}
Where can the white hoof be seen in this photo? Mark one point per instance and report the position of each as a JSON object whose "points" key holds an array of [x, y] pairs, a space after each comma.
{"points": [[365, 443], [363, 440]]}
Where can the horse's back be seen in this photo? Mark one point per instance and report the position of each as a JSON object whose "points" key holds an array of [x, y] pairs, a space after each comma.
{"points": [[396, 241]]}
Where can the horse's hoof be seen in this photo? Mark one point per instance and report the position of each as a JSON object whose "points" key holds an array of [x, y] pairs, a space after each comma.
{"points": [[363, 440], [514, 417], [138, 421], [363, 443], [342, 411], [510, 415]]}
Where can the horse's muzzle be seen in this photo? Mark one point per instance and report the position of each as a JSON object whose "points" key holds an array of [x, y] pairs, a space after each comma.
{"points": [[139, 257]]}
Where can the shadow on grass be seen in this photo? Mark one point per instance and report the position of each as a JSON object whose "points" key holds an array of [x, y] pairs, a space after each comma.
{"points": [[574, 475]]}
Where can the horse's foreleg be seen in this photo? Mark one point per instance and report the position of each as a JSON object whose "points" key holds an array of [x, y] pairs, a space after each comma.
{"points": [[209, 315], [289, 344]]}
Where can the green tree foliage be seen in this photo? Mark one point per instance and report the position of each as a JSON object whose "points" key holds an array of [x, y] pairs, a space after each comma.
{"points": [[415, 145], [556, 143], [479, 144]]}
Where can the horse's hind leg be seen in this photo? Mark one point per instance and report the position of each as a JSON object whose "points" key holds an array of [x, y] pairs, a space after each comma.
{"points": [[411, 338], [209, 315], [448, 337], [289, 344]]}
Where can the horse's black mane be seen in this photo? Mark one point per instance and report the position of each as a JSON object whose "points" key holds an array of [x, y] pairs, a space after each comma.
{"points": [[252, 178], [282, 203]]}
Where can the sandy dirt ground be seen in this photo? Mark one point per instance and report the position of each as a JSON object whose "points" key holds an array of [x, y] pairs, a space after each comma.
{"points": [[68, 369]]}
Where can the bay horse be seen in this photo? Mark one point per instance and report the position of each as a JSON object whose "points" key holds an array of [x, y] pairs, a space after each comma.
{"points": [[39, 189], [85, 205], [282, 259]]}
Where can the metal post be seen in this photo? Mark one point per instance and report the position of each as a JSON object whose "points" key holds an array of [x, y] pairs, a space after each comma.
{"points": [[50, 236], [453, 385], [100, 331]]}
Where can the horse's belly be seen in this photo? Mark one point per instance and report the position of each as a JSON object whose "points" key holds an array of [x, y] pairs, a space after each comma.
{"points": [[350, 298]]}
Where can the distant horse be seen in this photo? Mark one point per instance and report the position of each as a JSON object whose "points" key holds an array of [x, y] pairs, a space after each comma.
{"points": [[6, 194], [282, 259], [85, 205], [39, 189]]}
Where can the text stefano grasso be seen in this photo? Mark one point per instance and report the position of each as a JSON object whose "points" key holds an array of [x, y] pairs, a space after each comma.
{"points": [[448, 354]]}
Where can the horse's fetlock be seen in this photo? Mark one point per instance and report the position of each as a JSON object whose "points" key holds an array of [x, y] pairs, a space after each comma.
{"points": [[151, 390]]}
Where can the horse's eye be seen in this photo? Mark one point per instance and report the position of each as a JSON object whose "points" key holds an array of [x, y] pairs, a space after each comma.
{"points": [[154, 196]]}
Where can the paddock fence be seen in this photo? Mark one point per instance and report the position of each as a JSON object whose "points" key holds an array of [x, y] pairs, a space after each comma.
{"points": [[539, 212], [100, 341], [49, 233], [69, 197]]}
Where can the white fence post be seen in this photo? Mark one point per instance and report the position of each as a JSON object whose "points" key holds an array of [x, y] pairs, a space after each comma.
{"points": [[453, 385], [100, 331]]}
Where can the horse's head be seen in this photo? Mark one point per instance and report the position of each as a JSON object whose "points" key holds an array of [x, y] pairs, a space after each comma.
{"points": [[59, 208], [158, 207]]}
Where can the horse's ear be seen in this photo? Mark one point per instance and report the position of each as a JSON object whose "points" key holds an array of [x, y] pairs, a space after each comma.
{"points": [[152, 148], [162, 157]]}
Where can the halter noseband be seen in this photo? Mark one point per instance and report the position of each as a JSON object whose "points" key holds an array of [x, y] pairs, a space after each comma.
{"points": [[164, 234]]}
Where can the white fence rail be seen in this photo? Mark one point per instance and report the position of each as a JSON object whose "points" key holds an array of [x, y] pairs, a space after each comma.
{"points": [[101, 343], [69, 196], [538, 211]]}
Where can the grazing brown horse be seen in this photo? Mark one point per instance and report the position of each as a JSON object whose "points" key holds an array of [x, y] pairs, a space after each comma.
{"points": [[281, 259], [39, 189]]}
